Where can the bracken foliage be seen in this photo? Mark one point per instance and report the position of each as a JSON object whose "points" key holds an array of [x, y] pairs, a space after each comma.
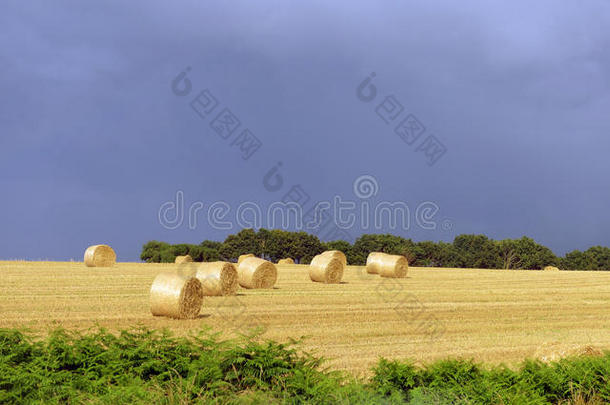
{"points": [[145, 366]]}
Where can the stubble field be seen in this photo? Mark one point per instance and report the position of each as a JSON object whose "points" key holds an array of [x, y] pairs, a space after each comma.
{"points": [[492, 316]]}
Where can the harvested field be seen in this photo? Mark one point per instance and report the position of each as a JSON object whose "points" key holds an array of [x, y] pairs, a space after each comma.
{"points": [[489, 315]]}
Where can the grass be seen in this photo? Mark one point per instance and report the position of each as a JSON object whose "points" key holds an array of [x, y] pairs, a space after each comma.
{"points": [[145, 366], [491, 316]]}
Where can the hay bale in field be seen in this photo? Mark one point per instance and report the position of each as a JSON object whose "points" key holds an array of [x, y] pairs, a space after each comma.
{"points": [[242, 257], [326, 269], [183, 259], [554, 351], [99, 256], [217, 278], [287, 260], [256, 273], [176, 296], [336, 253], [372, 262], [386, 265], [394, 266], [551, 268]]}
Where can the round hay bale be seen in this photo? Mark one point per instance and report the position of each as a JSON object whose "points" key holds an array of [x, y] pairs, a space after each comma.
{"points": [[100, 256], [183, 259], [287, 260], [326, 269], [256, 273], [372, 262], [394, 266], [217, 278], [555, 351], [551, 268], [176, 296], [336, 253], [242, 257]]}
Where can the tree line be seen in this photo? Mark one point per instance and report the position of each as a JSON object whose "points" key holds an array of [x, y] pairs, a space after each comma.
{"points": [[467, 251]]}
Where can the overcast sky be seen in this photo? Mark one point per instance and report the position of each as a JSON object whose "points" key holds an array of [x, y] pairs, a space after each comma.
{"points": [[98, 135]]}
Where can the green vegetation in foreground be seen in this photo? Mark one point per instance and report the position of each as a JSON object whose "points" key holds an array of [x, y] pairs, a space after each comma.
{"points": [[146, 366]]}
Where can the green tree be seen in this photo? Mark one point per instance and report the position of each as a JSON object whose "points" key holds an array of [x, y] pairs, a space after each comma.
{"points": [[525, 253], [477, 252], [594, 258], [211, 244], [431, 254], [151, 251], [304, 247], [300, 246], [340, 245], [245, 241]]}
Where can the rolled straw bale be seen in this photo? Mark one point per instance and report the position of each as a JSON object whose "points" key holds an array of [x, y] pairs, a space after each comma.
{"points": [[372, 262], [100, 256], [554, 351], [217, 278], [287, 260], [394, 266], [326, 269], [256, 273], [551, 268], [176, 296], [242, 257], [183, 259], [336, 253]]}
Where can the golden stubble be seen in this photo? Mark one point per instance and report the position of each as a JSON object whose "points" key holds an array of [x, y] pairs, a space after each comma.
{"points": [[491, 316]]}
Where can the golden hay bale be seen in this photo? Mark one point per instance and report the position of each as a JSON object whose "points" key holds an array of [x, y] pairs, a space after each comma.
{"points": [[554, 351], [395, 266], [217, 278], [176, 296], [326, 269], [372, 262], [100, 256], [287, 260], [551, 268], [183, 259], [336, 253], [242, 257], [256, 273]]}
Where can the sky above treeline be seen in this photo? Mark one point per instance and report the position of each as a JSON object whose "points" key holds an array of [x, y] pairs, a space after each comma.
{"points": [[123, 122]]}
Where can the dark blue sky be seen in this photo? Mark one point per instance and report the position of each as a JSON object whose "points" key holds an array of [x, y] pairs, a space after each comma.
{"points": [[93, 141]]}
